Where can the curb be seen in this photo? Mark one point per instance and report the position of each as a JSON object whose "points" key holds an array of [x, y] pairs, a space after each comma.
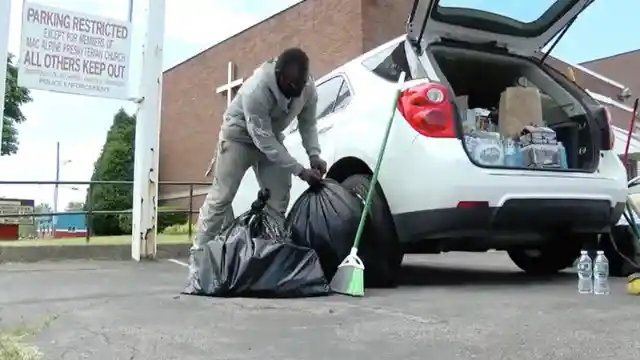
{"points": [[27, 254]]}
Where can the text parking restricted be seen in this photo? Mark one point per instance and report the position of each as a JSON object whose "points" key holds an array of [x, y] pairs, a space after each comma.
{"points": [[75, 53]]}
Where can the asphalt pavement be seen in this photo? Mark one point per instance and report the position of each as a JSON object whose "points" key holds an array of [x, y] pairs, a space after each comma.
{"points": [[454, 306]]}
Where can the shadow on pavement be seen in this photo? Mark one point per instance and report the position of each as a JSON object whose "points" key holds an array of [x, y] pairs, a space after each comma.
{"points": [[425, 275]]}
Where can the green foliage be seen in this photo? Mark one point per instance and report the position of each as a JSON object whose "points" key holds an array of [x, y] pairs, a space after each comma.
{"points": [[124, 221], [15, 96], [13, 347], [74, 206], [165, 220], [168, 219], [115, 163], [43, 208], [179, 229]]}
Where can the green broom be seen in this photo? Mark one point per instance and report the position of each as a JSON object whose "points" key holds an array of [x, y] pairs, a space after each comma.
{"points": [[349, 278]]}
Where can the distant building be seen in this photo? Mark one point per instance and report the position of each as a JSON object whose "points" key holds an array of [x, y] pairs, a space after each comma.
{"points": [[613, 82], [10, 226], [70, 225]]}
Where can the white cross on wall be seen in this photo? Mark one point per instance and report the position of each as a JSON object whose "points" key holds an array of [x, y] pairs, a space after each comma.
{"points": [[231, 83]]}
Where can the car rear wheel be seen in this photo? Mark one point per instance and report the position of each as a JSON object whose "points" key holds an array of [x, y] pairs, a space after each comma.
{"points": [[547, 259], [379, 249]]}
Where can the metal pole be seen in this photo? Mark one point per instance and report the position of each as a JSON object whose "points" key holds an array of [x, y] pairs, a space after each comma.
{"points": [[145, 180], [88, 218], [56, 188], [190, 221], [130, 14], [5, 18], [632, 126]]}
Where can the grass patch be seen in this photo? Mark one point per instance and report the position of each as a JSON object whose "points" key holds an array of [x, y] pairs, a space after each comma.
{"points": [[95, 241], [13, 346]]}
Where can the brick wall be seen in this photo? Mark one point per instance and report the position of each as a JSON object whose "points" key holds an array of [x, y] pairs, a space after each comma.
{"points": [[623, 68], [191, 109]]}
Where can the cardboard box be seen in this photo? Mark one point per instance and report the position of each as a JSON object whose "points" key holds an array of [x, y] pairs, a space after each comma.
{"points": [[519, 107]]}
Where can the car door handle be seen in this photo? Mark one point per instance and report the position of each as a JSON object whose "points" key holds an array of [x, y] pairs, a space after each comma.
{"points": [[325, 129]]}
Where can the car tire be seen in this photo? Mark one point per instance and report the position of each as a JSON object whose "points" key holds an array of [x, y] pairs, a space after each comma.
{"points": [[379, 248], [548, 259]]}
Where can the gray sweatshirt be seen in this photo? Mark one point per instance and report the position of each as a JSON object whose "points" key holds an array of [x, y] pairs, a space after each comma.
{"points": [[259, 113]]}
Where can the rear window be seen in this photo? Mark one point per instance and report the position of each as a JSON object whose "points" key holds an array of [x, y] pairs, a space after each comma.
{"points": [[389, 62], [510, 17]]}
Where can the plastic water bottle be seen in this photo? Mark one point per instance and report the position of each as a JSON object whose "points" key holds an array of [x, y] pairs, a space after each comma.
{"points": [[601, 274], [563, 156], [509, 153], [585, 273]]}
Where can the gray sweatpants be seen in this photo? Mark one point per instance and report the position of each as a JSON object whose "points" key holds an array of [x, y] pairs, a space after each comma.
{"points": [[232, 160]]}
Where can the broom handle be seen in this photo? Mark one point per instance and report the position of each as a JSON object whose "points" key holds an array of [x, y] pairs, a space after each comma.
{"points": [[374, 178], [631, 128]]}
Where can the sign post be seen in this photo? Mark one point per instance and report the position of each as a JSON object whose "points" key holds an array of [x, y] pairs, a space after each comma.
{"points": [[5, 19], [82, 54], [145, 180], [74, 53]]}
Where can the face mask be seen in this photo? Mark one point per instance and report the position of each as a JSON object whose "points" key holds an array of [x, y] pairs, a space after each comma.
{"points": [[292, 81], [291, 89]]}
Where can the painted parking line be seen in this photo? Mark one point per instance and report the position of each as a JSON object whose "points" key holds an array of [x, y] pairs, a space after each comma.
{"points": [[178, 262]]}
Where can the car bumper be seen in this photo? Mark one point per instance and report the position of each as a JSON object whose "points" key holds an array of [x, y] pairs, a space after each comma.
{"points": [[514, 218]]}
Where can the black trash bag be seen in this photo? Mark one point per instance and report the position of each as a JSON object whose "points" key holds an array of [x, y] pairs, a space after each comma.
{"points": [[325, 218], [254, 257]]}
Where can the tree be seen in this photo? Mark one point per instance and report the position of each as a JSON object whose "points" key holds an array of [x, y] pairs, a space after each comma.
{"points": [[74, 206], [43, 208], [15, 97], [115, 163], [43, 221]]}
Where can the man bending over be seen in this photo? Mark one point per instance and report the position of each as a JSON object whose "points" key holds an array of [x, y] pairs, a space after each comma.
{"points": [[251, 137]]}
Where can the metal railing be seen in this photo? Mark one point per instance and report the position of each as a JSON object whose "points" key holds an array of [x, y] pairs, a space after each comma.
{"points": [[89, 212]]}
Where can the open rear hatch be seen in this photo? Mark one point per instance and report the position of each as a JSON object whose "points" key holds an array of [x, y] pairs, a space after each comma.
{"points": [[513, 112], [524, 31]]}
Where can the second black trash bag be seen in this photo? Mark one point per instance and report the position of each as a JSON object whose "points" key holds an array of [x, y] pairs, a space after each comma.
{"points": [[325, 218], [254, 257]]}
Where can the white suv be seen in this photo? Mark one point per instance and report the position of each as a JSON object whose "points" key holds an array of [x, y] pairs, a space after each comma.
{"points": [[433, 195]]}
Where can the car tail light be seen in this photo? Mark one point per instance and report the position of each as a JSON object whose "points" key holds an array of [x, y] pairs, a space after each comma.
{"points": [[427, 109]]}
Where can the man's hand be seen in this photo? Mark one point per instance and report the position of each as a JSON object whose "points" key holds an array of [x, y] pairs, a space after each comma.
{"points": [[318, 164], [310, 176]]}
